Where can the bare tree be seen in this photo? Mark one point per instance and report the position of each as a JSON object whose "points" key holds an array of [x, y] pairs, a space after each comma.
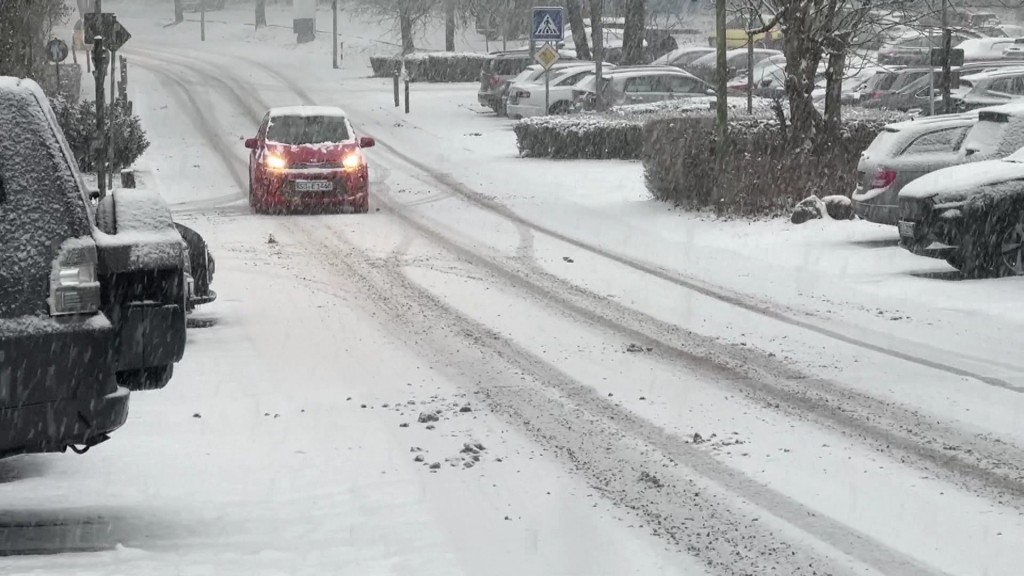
{"points": [[633, 32], [579, 30], [407, 14], [449, 25], [261, 13]]}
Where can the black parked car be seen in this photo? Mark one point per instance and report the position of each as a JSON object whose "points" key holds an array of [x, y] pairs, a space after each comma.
{"points": [[92, 304]]}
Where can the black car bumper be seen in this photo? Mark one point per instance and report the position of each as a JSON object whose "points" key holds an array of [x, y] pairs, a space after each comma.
{"points": [[57, 388], [930, 230]]}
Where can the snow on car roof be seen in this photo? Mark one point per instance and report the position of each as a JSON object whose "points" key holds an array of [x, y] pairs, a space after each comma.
{"points": [[330, 111]]}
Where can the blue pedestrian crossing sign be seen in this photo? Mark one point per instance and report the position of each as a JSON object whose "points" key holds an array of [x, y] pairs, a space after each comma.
{"points": [[548, 24]]}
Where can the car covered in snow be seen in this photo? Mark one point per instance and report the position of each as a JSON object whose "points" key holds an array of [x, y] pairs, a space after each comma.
{"points": [[970, 214], [526, 98], [901, 153], [92, 300], [639, 85], [308, 158]]}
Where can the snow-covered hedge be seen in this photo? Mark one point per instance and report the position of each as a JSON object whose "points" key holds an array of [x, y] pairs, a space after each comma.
{"points": [[763, 176], [432, 66], [78, 122], [615, 134]]}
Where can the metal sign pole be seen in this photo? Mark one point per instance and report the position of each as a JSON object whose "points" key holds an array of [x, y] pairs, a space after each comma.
{"points": [[334, 27], [98, 54], [113, 114], [547, 91]]}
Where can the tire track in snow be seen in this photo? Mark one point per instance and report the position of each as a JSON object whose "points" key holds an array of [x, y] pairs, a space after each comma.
{"points": [[978, 463], [702, 505]]}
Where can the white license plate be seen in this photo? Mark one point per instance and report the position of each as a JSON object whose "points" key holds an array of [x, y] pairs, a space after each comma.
{"points": [[907, 229], [313, 185]]}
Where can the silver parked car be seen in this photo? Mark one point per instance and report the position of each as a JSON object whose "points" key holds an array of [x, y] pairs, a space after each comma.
{"points": [[901, 153], [639, 85]]}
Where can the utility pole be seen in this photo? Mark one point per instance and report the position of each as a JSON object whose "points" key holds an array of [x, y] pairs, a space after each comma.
{"points": [[99, 54], [334, 28], [947, 42], [721, 79], [597, 35], [113, 117], [202, 20], [750, 63]]}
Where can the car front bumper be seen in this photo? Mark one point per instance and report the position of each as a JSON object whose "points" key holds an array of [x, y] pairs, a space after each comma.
{"points": [[347, 189], [57, 388], [929, 230]]}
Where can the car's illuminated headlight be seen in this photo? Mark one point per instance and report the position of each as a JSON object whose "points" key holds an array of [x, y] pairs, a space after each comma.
{"points": [[275, 162], [352, 161]]}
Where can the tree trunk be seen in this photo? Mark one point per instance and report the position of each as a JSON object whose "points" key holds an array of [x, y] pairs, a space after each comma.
{"points": [[449, 25], [261, 13], [579, 31], [405, 23], [597, 34], [633, 32], [179, 12], [834, 92], [803, 53], [721, 80]]}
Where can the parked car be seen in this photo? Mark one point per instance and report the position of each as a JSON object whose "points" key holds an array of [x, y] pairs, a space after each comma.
{"points": [[735, 62], [535, 74], [890, 82], [922, 90], [993, 88], [199, 269], [92, 299], [526, 99], [916, 49], [639, 85], [965, 214], [497, 74], [308, 158], [901, 153], [986, 49], [683, 57]]}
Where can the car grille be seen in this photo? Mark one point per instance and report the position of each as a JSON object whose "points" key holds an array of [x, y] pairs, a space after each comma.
{"points": [[316, 166], [915, 209]]}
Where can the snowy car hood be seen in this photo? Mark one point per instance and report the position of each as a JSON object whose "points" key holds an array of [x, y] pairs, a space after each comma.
{"points": [[957, 179]]}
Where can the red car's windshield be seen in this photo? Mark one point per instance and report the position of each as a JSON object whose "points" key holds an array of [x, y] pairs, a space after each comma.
{"points": [[307, 129]]}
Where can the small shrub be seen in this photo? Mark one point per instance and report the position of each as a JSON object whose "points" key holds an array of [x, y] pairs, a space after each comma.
{"points": [[431, 66], [78, 122]]}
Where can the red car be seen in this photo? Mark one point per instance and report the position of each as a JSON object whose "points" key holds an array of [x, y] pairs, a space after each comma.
{"points": [[308, 158]]}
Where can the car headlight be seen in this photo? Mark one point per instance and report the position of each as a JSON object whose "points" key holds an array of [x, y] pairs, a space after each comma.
{"points": [[352, 161], [275, 162]]}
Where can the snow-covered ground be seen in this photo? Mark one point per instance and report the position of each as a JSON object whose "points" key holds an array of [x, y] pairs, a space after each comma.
{"points": [[653, 392]]}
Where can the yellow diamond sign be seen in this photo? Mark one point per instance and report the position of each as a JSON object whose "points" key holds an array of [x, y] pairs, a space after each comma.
{"points": [[546, 56]]}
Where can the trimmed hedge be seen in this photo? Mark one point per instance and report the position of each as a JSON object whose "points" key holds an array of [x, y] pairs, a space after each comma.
{"points": [[431, 66], [764, 176], [617, 134]]}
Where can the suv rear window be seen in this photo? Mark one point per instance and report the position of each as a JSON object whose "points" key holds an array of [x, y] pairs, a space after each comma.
{"points": [[508, 66], [945, 140]]}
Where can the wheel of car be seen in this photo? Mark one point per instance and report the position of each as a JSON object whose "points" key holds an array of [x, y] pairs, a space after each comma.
{"points": [[147, 378], [1011, 251], [561, 107]]}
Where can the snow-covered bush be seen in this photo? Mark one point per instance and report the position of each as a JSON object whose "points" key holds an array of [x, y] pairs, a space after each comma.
{"points": [[616, 134], [432, 66], [588, 136], [78, 122], [762, 174]]}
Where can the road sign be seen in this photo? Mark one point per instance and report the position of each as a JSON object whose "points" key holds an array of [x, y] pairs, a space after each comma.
{"points": [[547, 56], [548, 25], [57, 50], [106, 25], [956, 56]]}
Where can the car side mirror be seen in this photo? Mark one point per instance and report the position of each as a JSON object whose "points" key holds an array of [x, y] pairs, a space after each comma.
{"points": [[251, 143], [367, 142]]}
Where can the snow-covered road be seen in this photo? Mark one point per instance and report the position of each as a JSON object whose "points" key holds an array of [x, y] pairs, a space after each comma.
{"points": [[619, 389]]}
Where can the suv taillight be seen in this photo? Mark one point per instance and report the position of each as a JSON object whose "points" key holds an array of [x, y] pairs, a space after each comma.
{"points": [[73, 285], [883, 178]]}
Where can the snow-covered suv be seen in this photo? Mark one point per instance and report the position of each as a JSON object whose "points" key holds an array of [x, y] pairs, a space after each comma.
{"points": [[91, 305]]}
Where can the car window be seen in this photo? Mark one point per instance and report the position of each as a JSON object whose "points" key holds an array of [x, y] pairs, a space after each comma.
{"points": [[640, 84], [676, 84], [688, 58], [262, 132], [1013, 85], [308, 129], [573, 78], [510, 66], [945, 140]]}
